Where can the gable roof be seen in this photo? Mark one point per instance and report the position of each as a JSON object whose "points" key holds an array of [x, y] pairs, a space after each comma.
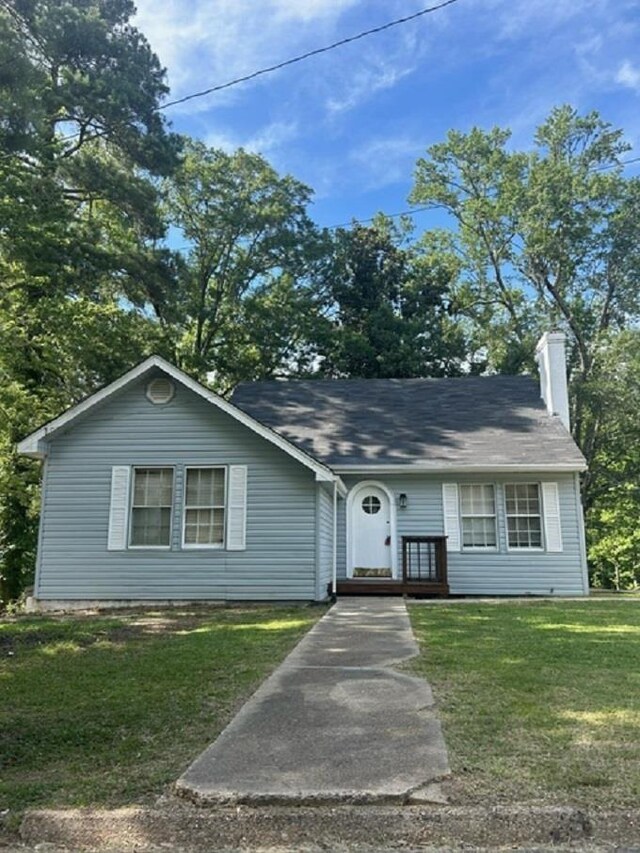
{"points": [[35, 444], [468, 423]]}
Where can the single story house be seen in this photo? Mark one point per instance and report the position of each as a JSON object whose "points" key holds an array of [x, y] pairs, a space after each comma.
{"points": [[156, 489]]}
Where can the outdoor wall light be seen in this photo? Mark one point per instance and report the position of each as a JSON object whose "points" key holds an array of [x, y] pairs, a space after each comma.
{"points": [[402, 500]]}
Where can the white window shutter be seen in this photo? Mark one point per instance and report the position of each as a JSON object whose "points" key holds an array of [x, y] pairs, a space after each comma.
{"points": [[119, 508], [552, 521], [237, 508], [451, 515]]}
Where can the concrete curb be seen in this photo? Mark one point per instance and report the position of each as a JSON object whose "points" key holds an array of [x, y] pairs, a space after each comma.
{"points": [[193, 830]]}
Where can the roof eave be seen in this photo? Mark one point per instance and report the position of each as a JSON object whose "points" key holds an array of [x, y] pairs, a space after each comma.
{"points": [[36, 444], [460, 468]]}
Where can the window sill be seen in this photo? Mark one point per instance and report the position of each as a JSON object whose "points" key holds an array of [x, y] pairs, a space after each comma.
{"points": [[479, 549], [148, 547], [202, 547], [526, 550]]}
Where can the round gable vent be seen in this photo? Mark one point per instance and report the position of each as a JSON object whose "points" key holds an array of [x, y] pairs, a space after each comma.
{"points": [[160, 390]]}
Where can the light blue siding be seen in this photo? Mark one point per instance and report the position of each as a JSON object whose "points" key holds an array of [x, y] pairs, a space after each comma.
{"points": [[280, 558], [325, 539], [289, 524], [500, 572]]}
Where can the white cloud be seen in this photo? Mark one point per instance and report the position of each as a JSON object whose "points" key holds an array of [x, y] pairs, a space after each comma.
{"points": [[364, 83], [515, 18], [505, 62], [309, 10], [207, 42], [629, 75], [266, 140], [226, 142], [386, 160]]}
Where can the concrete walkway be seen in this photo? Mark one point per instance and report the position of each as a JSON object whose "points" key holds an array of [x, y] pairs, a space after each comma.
{"points": [[334, 723]]}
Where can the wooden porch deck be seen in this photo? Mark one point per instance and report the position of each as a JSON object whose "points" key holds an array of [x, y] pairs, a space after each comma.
{"points": [[387, 586], [424, 572]]}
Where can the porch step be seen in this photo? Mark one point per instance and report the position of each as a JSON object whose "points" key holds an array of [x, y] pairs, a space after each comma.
{"points": [[381, 586]]}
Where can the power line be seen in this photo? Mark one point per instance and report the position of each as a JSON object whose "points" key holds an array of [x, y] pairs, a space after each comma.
{"points": [[622, 163], [283, 64], [386, 216], [413, 210], [354, 221], [308, 54], [613, 165]]}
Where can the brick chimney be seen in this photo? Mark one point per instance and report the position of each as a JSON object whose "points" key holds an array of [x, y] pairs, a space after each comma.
{"points": [[550, 355]]}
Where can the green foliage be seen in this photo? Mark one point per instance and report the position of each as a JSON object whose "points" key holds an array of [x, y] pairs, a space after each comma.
{"points": [[544, 238], [386, 310], [82, 67], [614, 495], [242, 305], [80, 258]]}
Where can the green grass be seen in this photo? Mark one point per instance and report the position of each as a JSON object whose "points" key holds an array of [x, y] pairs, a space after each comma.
{"points": [[108, 710], [540, 701]]}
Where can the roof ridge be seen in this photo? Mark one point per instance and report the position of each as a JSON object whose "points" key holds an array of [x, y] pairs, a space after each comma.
{"points": [[330, 380]]}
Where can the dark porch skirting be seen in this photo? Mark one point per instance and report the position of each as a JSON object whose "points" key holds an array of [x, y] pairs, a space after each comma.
{"points": [[385, 586]]}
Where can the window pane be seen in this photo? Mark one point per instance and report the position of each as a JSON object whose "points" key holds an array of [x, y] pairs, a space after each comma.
{"points": [[466, 504], [524, 520], [478, 510], [218, 487], [139, 490], [205, 487], [153, 487], [371, 504], [204, 527], [151, 507], [477, 500], [479, 532], [151, 526], [535, 533], [487, 506]]}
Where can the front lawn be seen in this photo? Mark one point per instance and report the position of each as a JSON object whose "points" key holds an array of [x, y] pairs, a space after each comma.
{"points": [[540, 701], [109, 709]]}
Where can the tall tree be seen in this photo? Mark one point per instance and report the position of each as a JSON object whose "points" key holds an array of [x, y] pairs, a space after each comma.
{"points": [[546, 238], [80, 230], [613, 533], [243, 301], [386, 312]]}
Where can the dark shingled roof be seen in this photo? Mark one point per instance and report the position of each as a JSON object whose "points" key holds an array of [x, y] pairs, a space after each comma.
{"points": [[475, 420]]}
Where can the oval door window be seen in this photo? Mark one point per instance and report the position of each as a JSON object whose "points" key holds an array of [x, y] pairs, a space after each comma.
{"points": [[371, 504]]}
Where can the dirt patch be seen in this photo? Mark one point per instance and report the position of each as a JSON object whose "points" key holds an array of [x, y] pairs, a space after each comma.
{"points": [[117, 626]]}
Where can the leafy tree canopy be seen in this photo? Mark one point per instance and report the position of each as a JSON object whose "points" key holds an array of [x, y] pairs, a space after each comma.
{"points": [[243, 306], [546, 239], [387, 308], [81, 140]]}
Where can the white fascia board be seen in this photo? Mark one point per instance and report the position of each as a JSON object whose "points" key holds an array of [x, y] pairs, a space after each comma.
{"points": [[33, 445], [342, 489], [456, 468], [339, 484]]}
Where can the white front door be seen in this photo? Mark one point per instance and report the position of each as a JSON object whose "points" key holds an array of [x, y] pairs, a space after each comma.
{"points": [[371, 529]]}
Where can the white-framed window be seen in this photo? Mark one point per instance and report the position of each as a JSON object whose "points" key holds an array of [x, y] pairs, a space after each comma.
{"points": [[478, 515], [151, 507], [523, 508], [204, 507]]}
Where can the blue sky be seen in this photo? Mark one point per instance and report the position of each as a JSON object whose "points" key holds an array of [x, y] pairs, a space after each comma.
{"points": [[352, 123]]}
